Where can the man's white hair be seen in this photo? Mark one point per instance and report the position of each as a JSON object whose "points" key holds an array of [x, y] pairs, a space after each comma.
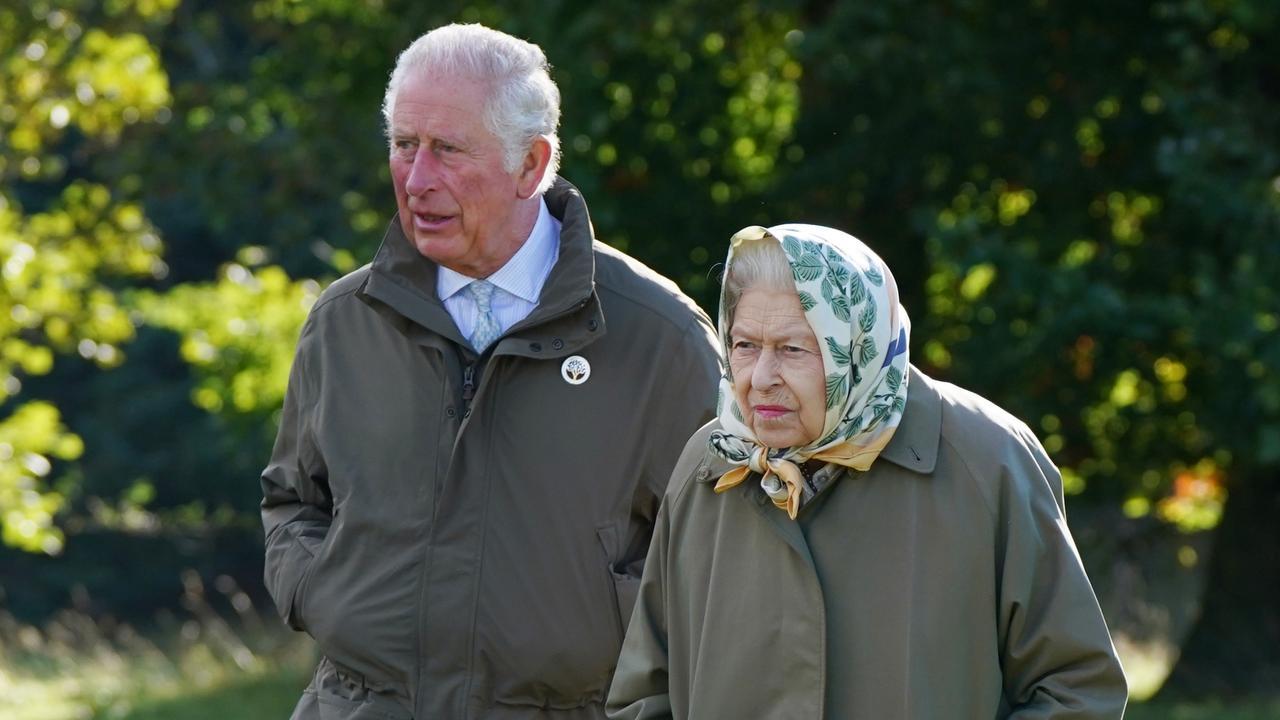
{"points": [[523, 102]]}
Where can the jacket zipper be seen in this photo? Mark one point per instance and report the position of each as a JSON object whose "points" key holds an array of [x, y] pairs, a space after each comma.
{"points": [[468, 386]]}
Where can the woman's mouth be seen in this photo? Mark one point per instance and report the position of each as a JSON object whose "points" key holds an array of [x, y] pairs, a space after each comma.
{"points": [[770, 411]]}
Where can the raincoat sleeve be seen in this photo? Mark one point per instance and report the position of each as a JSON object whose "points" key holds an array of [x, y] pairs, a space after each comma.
{"points": [[1057, 657], [640, 686], [296, 503]]}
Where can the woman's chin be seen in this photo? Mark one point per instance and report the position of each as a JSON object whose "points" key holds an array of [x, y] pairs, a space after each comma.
{"points": [[781, 438]]}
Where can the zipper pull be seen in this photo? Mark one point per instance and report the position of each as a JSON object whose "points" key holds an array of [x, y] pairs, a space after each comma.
{"points": [[468, 384]]}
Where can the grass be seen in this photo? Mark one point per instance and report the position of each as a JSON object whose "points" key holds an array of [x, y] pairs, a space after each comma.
{"points": [[218, 658], [1250, 709], [262, 698]]}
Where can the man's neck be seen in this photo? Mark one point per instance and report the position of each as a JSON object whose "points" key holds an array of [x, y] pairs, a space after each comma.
{"points": [[523, 218]]}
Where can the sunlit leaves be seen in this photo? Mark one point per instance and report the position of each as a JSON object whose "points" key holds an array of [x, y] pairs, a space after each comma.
{"points": [[59, 74], [30, 438], [238, 332], [54, 273], [67, 85]]}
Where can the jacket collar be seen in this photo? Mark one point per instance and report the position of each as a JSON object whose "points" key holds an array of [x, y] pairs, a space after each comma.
{"points": [[568, 315], [914, 445]]}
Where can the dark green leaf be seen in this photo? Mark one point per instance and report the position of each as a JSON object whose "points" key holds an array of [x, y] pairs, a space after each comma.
{"points": [[857, 291], [867, 320], [806, 301], [791, 246], [807, 268], [866, 350], [837, 388], [893, 379], [839, 354], [840, 306]]}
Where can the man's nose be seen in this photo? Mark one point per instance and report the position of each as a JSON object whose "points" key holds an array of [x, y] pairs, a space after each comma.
{"points": [[422, 174]]}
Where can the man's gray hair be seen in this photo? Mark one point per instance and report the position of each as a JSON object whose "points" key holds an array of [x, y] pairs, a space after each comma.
{"points": [[523, 102], [757, 262]]}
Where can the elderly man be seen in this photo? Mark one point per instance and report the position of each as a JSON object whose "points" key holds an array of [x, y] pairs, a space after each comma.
{"points": [[479, 423]]}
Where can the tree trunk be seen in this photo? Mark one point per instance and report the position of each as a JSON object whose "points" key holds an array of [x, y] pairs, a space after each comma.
{"points": [[1234, 648]]}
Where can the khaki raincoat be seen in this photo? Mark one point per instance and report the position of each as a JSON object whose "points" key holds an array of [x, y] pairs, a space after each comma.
{"points": [[941, 584], [463, 536]]}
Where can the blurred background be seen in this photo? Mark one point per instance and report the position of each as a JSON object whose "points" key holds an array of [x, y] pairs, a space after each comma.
{"points": [[1080, 200]]}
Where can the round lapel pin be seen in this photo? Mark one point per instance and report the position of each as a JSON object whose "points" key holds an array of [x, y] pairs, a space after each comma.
{"points": [[575, 370]]}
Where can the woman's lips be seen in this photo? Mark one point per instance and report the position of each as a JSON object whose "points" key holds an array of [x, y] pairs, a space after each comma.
{"points": [[770, 411]]}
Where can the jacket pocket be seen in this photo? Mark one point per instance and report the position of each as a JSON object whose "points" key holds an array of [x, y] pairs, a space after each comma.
{"points": [[290, 556], [622, 586], [343, 695]]}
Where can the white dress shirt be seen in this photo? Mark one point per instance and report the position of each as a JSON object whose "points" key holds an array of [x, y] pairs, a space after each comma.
{"points": [[518, 283]]}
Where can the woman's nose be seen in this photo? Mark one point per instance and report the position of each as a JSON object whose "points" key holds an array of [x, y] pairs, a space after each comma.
{"points": [[765, 373]]}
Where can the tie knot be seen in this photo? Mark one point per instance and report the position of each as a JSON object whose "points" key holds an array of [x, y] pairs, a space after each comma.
{"points": [[486, 328], [482, 292]]}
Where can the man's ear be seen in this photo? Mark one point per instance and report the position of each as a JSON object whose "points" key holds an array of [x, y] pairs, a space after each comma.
{"points": [[532, 168]]}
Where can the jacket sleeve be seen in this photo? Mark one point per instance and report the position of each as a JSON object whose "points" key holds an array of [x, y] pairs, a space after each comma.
{"points": [[686, 402], [296, 503], [640, 688], [1057, 657]]}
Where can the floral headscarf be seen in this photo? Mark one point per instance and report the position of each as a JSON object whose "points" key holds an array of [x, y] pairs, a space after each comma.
{"points": [[850, 300]]}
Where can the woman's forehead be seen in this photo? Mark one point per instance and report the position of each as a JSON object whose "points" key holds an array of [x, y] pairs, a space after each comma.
{"points": [[774, 311]]}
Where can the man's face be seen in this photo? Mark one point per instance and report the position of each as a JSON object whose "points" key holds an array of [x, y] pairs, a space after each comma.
{"points": [[458, 203]]}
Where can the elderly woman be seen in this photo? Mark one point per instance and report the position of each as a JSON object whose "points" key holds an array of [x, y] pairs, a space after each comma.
{"points": [[851, 538]]}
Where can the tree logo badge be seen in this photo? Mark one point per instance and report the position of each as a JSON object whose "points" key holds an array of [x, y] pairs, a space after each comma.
{"points": [[575, 370]]}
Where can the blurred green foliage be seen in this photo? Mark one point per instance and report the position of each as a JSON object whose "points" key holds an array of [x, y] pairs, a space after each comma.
{"points": [[66, 90], [1080, 201]]}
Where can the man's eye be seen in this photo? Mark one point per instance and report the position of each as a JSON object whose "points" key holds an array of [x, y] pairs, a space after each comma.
{"points": [[403, 144]]}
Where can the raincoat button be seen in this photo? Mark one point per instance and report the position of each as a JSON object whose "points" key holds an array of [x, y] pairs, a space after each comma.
{"points": [[535, 346], [557, 343], [592, 325], [450, 411]]}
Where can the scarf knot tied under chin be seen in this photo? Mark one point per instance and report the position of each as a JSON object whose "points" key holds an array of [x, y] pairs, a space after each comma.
{"points": [[780, 479]]}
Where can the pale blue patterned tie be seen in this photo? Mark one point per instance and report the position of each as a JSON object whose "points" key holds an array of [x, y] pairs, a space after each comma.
{"points": [[486, 328]]}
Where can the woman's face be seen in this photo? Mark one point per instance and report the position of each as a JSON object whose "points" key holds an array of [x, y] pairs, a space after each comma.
{"points": [[777, 368]]}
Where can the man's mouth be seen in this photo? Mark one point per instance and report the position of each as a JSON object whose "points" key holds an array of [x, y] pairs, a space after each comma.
{"points": [[430, 221]]}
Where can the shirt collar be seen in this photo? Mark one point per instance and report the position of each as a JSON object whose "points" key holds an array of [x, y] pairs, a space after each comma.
{"points": [[526, 272]]}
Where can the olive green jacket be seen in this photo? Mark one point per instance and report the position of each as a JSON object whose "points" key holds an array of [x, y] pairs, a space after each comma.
{"points": [[463, 536], [942, 584]]}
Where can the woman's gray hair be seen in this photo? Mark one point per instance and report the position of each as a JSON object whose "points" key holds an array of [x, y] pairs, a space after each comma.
{"points": [[524, 102], [756, 263]]}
